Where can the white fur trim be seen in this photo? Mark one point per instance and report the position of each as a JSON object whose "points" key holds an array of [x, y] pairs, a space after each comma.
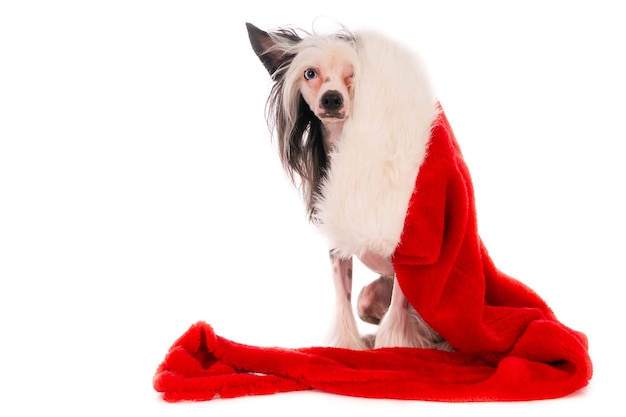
{"points": [[373, 168]]}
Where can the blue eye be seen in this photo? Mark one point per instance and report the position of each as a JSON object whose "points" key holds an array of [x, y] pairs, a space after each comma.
{"points": [[310, 73]]}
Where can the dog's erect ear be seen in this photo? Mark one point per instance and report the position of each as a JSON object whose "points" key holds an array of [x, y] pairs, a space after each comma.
{"points": [[265, 48]]}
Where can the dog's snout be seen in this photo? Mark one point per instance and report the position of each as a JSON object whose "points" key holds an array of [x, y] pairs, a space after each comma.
{"points": [[331, 100]]}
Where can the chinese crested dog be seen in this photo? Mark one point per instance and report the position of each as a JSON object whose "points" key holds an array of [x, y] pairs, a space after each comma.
{"points": [[336, 99]]}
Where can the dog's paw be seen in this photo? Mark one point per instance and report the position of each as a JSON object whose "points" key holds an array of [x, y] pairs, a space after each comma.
{"points": [[399, 334], [344, 332], [406, 328], [354, 343], [348, 337]]}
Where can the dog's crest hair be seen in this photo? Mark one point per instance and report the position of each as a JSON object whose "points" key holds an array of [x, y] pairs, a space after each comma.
{"points": [[298, 130]]}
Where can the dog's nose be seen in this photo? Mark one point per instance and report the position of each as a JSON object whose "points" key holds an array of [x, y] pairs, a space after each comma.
{"points": [[331, 100]]}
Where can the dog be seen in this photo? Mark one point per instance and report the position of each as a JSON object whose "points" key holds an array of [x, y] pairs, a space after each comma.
{"points": [[311, 100]]}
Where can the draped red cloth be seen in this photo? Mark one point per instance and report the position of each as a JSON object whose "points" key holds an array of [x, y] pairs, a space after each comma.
{"points": [[508, 343]]}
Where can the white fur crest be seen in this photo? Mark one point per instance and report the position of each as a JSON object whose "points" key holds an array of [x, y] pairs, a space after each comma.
{"points": [[365, 197]]}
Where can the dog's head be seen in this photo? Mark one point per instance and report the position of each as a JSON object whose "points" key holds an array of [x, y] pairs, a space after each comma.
{"points": [[319, 68]]}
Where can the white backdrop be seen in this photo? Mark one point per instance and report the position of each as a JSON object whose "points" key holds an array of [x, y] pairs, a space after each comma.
{"points": [[140, 191]]}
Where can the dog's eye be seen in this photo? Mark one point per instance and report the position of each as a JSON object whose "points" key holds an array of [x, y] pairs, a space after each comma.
{"points": [[310, 73]]}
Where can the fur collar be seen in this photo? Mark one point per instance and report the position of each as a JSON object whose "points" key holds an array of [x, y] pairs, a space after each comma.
{"points": [[365, 196]]}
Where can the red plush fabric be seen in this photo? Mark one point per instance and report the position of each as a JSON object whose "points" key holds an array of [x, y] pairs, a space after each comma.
{"points": [[508, 343]]}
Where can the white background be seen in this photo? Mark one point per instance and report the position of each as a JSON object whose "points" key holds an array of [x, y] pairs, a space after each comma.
{"points": [[140, 191]]}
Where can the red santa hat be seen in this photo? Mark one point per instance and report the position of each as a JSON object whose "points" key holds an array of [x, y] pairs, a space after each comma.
{"points": [[398, 186]]}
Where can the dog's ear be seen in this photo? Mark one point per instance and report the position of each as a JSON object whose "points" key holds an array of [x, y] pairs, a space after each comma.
{"points": [[265, 48]]}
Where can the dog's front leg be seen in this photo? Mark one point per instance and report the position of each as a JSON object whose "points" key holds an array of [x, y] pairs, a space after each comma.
{"points": [[344, 332]]}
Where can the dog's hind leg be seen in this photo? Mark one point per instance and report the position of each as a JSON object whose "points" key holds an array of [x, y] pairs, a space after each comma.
{"points": [[344, 332], [374, 299]]}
